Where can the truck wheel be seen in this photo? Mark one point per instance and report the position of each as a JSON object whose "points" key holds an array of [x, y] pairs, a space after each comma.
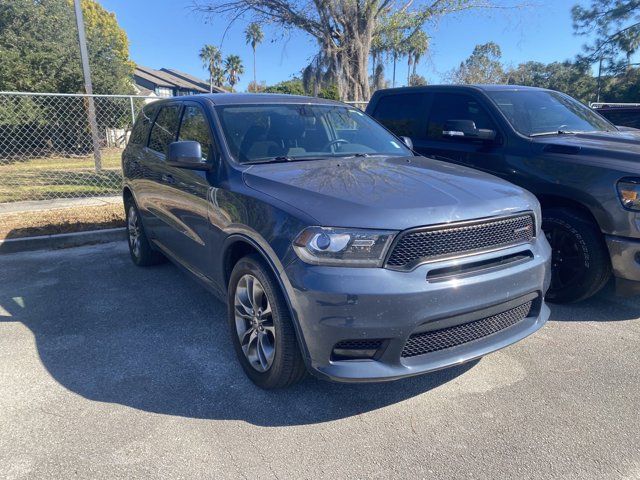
{"points": [[261, 327], [580, 264]]}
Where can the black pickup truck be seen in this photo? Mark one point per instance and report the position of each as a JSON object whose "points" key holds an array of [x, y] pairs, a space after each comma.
{"points": [[584, 170]]}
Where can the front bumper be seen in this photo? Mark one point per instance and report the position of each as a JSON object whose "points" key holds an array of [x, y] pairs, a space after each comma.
{"points": [[625, 262], [334, 304]]}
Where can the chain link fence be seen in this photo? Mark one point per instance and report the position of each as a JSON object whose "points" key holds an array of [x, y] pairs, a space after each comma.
{"points": [[48, 144], [52, 147]]}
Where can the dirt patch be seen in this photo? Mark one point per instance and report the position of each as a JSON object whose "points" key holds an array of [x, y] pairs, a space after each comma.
{"points": [[65, 220]]}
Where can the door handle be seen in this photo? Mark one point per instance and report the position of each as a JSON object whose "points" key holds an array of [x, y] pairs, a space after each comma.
{"points": [[166, 178]]}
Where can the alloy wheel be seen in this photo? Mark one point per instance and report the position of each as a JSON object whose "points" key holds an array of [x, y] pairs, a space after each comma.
{"points": [[567, 258], [254, 323], [133, 229]]}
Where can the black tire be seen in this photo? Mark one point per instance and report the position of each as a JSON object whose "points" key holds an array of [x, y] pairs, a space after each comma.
{"points": [[580, 258], [142, 253], [287, 366]]}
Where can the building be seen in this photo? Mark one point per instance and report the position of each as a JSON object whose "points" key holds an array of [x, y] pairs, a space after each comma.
{"points": [[169, 82]]}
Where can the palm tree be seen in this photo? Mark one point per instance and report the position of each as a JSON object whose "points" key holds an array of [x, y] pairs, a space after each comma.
{"points": [[416, 46], [254, 36], [394, 45], [233, 68], [211, 57], [377, 50]]}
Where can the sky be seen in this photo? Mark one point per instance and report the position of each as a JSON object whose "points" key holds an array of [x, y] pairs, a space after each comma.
{"points": [[166, 33]]}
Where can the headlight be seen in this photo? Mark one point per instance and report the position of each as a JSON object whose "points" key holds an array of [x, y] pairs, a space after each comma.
{"points": [[629, 193], [343, 246]]}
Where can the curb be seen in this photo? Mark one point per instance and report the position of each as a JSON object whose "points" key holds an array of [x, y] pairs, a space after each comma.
{"points": [[62, 240]]}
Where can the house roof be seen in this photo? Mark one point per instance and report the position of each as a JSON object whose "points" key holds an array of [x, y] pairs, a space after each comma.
{"points": [[173, 78], [258, 99], [157, 81], [190, 78]]}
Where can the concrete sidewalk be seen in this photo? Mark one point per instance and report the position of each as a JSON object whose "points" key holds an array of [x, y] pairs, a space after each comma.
{"points": [[58, 203]]}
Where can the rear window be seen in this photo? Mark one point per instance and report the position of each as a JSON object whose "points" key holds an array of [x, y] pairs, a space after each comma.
{"points": [[402, 114], [165, 128], [140, 130], [622, 117]]}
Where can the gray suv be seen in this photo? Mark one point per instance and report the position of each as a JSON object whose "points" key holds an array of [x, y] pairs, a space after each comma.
{"points": [[335, 248]]}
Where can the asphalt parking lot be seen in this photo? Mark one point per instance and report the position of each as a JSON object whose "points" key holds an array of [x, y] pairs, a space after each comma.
{"points": [[111, 371]]}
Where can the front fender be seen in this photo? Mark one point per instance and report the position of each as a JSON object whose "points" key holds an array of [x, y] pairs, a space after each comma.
{"points": [[241, 233]]}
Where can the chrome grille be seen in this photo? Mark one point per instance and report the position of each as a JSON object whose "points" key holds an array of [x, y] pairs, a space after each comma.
{"points": [[433, 341], [452, 240]]}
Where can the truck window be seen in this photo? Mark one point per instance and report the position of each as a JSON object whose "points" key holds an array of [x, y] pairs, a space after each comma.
{"points": [[455, 106], [627, 117], [402, 114]]}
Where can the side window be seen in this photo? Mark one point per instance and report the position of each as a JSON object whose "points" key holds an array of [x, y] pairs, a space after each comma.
{"points": [[402, 114], [625, 118], [196, 127], [140, 130], [455, 106], [165, 128]]}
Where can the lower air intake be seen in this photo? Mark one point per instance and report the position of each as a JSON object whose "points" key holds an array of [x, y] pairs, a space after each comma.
{"points": [[356, 349], [433, 341]]}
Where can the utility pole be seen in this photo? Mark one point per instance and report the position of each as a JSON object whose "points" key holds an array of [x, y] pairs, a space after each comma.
{"points": [[91, 108]]}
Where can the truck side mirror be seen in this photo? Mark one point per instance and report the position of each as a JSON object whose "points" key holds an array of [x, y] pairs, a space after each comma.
{"points": [[408, 142]]}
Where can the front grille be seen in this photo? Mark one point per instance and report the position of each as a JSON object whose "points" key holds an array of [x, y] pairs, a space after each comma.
{"points": [[453, 240], [433, 341]]}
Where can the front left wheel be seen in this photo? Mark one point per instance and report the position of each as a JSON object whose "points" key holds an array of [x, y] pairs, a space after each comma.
{"points": [[261, 327], [140, 249]]}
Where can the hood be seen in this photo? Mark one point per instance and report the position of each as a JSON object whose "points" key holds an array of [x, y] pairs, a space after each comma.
{"points": [[620, 149], [393, 193]]}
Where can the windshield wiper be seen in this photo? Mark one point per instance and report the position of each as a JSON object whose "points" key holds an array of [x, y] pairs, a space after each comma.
{"points": [[282, 159], [555, 132], [349, 155], [269, 160]]}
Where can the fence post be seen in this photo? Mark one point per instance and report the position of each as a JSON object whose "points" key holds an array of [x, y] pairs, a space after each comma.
{"points": [[93, 125], [91, 107], [133, 112]]}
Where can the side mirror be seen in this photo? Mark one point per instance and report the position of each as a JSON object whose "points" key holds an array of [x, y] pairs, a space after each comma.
{"points": [[408, 142], [466, 129], [186, 154]]}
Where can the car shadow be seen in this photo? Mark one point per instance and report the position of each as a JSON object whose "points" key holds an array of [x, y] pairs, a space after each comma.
{"points": [[151, 339], [605, 306]]}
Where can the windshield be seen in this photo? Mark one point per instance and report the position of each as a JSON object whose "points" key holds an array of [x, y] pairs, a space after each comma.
{"points": [[544, 113], [280, 132]]}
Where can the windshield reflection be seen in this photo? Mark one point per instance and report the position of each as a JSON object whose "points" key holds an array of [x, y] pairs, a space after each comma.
{"points": [[542, 112], [261, 133]]}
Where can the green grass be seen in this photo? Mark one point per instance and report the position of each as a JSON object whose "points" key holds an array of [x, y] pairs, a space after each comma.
{"points": [[58, 177]]}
